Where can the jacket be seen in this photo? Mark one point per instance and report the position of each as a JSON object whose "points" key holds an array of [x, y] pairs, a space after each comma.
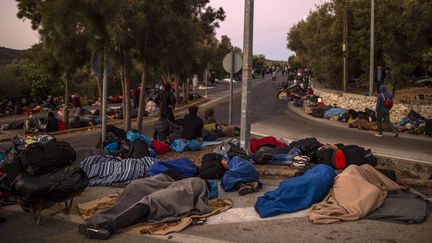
{"points": [[192, 127], [380, 99]]}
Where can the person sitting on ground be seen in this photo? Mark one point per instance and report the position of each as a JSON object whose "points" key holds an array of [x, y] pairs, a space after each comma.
{"points": [[52, 122], [383, 113], [164, 127], [192, 124], [157, 199], [32, 124], [210, 122]]}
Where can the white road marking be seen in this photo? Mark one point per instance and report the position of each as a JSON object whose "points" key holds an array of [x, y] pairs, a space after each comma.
{"points": [[180, 237]]}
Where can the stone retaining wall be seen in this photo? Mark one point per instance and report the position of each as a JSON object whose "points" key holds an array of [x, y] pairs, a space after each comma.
{"points": [[360, 102]]}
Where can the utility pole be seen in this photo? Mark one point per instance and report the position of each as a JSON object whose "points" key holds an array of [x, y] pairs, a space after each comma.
{"points": [[231, 87], [245, 125], [372, 38], [345, 48], [104, 92]]}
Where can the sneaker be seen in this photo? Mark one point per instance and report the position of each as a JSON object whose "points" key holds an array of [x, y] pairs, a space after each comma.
{"points": [[378, 135], [301, 158], [95, 233], [245, 188]]}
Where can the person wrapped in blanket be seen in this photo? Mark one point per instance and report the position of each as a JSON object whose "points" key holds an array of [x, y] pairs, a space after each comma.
{"points": [[236, 173], [153, 199]]}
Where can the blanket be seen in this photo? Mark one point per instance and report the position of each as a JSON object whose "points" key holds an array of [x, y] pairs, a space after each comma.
{"points": [[297, 193], [183, 166], [239, 171], [167, 200], [257, 143], [105, 170], [88, 209], [357, 191]]}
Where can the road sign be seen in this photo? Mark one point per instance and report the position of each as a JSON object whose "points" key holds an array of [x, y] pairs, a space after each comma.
{"points": [[227, 62], [97, 62]]}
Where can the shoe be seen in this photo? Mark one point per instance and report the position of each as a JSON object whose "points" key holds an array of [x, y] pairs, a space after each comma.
{"points": [[298, 164], [245, 188], [378, 135], [301, 159], [256, 185], [95, 233], [396, 135]]}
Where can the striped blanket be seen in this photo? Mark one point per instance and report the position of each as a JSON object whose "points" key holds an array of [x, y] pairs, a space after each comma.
{"points": [[105, 170]]}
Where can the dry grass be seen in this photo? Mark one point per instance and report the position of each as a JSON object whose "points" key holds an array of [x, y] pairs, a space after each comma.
{"points": [[412, 92]]}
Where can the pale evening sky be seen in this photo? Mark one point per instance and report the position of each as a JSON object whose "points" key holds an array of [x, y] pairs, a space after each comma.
{"points": [[272, 20]]}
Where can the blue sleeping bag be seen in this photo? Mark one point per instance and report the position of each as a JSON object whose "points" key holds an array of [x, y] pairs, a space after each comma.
{"points": [[239, 171], [183, 166], [297, 193], [334, 112]]}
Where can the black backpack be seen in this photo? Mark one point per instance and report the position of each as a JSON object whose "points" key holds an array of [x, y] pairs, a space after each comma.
{"points": [[39, 158], [138, 149]]}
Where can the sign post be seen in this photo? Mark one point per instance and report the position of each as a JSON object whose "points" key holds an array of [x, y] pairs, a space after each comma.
{"points": [[232, 63]]}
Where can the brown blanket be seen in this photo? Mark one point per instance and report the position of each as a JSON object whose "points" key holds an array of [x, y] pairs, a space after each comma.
{"points": [[357, 191]]}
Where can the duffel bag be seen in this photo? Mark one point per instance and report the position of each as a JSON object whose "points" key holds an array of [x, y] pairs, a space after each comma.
{"points": [[38, 159]]}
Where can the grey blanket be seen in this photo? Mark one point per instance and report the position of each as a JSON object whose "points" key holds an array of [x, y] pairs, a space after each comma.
{"points": [[167, 200]]}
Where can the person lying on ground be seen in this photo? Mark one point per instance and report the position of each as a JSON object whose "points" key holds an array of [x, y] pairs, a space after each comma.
{"points": [[162, 198], [237, 174]]}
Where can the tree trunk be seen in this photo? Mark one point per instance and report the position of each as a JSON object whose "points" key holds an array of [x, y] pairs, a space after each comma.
{"points": [[66, 111], [187, 89], [177, 84], [142, 97], [99, 83], [126, 97]]}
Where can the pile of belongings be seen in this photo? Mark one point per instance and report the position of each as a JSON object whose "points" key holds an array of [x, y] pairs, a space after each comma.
{"points": [[41, 171], [359, 191], [414, 123], [292, 90]]}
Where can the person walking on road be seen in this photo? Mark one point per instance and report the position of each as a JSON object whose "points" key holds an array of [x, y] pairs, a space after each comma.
{"points": [[274, 75], [383, 108]]}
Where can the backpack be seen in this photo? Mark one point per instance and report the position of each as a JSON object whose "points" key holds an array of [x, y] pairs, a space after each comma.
{"points": [[39, 159], [388, 103]]}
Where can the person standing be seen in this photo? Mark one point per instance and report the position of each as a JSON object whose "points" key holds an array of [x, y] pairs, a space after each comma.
{"points": [[274, 75], [383, 111], [380, 76], [195, 82], [167, 102]]}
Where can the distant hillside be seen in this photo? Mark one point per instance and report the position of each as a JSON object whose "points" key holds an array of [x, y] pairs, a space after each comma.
{"points": [[7, 55]]}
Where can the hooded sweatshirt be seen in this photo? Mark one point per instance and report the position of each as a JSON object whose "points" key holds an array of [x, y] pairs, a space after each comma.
{"points": [[380, 98]]}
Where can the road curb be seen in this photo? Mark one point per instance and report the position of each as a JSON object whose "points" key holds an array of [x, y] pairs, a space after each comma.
{"points": [[115, 122]]}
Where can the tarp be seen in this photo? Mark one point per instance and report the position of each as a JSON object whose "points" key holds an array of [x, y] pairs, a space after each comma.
{"points": [[334, 112], [297, 193], [239, 171]]}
